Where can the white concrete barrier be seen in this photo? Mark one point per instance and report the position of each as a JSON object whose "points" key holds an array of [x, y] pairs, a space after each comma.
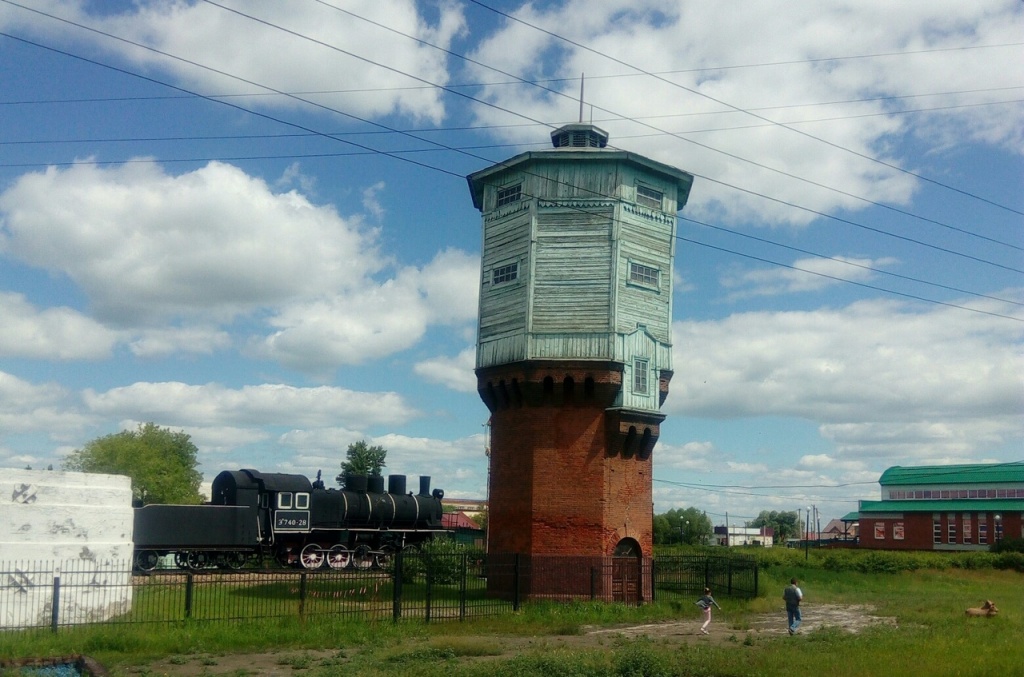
{"points": [[75, 528]]}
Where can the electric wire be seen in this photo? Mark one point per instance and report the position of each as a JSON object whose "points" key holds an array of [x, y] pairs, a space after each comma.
{"points": [[658, 130], [424, 164], [428, 166], [370, 61], [740, 109]]}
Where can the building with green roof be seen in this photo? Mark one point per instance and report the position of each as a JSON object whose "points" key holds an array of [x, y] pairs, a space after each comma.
{"points": [[947, 507]]}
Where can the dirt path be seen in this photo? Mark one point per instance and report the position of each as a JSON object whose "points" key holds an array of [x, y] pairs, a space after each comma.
{"points": [[851, 619]]}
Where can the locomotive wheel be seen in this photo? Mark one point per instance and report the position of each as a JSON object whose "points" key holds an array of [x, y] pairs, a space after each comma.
{"points": [[181, 560], [195, 560], [312, 556], [383, 559], [146, 560], [339, 557], [234, 560], [362, 558]]}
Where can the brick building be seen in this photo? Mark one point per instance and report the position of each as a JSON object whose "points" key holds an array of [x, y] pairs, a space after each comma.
{"points": [[574, 342], [950, 507]]}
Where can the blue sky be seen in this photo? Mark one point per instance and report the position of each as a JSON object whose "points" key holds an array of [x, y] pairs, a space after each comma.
{"points": [[249, 221]]}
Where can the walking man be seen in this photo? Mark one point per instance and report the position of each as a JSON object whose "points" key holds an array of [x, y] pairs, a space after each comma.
{"points": [[793, 595]]}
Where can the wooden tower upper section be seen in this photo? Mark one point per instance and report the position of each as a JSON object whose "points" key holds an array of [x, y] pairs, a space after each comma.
{"points": [[578, 242]]}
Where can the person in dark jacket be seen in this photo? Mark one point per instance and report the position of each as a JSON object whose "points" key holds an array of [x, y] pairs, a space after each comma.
{"points": [[793, 595]]}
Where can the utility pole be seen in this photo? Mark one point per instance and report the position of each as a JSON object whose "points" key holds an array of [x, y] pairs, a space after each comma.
{"points": [[807, 534]]}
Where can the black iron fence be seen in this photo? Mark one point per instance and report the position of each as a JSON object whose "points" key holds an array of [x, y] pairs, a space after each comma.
{"points": [[419, 586]]}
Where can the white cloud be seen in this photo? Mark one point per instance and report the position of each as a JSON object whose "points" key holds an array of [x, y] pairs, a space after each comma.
{"points": [[379, 320], [155, 343], [307, 47], [183, 405], [211, 246], [805, 275], [58, 333], [880, 378], [455, 373], [673, 38], [213, 242], [371, 202], [28, 407]]}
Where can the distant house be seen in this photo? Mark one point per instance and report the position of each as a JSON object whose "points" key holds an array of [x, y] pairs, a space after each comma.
{"points": [[463, 528], [950, 507], [471, 506], [840, 530], [735, 536]]}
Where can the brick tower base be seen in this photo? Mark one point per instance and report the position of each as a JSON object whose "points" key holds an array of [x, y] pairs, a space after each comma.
{"points": [[570, 473]]}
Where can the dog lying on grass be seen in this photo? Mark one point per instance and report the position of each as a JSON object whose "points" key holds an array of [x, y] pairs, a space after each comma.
{"points": [[987, 609]]}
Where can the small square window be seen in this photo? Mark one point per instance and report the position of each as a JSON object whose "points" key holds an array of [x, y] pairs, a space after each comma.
{"points": [[644, 275], [648, 197], [510, 194], [284, 500], [506, 273], [302, 501], [640, 376]]}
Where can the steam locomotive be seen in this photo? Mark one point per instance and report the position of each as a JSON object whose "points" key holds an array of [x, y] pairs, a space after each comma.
{"points": [[300, 523]]}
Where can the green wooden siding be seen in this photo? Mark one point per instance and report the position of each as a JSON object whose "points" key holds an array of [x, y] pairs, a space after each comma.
{"points": [[574, 233]]}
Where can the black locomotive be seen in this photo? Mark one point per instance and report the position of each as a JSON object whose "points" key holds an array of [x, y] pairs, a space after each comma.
{"points": [[300, 523]]}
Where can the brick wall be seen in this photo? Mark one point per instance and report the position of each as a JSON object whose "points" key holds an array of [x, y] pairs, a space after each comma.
{"points": [[560, 484]]}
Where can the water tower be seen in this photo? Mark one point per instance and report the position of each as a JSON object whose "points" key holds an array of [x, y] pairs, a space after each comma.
{"points": [[574, 348]]}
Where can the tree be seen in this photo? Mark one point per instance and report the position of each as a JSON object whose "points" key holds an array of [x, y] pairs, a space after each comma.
{"points": [[161, 463], [786, 525], [362, 459], [690, 526]]}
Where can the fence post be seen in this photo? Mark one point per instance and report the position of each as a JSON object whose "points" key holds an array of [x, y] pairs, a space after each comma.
{"points": [[55, 611], [729, 575], [463, 586], [515, 582], [188, 595], [654, 579], [593, 583], [707, 572], [302, 595], [396, 587], [430, 562], [640, 581]]}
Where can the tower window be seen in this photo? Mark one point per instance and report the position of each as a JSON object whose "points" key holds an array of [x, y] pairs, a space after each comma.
{"points": [[640, 376], [510, 194], [643, 275], [648, 197], [506, 273]]}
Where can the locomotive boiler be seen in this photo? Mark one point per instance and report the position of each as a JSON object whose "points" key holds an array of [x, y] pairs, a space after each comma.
{"points": [[296, 521]]}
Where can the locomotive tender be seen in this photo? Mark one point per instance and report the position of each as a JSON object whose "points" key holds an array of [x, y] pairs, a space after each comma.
{"points": [[298, 522]]}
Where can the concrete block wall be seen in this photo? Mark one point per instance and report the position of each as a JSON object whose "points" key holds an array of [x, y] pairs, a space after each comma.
{"points": [[73, 526]]}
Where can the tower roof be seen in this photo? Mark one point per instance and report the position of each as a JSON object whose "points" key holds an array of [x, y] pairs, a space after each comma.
{"points": [[579, 136], [578, 142]]}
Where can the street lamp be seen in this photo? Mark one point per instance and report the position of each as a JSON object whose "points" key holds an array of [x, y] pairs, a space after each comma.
{"points": [[687, 530], [999, 529]]}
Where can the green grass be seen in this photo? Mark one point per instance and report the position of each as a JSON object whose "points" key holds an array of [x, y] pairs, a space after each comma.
{"points": [[932, 635]]}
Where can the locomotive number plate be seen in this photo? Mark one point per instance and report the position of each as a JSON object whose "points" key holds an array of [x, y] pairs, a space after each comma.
{"points": [[291, 520]]}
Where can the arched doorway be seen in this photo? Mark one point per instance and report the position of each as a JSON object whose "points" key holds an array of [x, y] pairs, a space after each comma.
{"points": [[626, 561]]}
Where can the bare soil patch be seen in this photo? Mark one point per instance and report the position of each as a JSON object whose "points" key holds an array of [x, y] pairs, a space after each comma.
{"points": [[852, 619]]}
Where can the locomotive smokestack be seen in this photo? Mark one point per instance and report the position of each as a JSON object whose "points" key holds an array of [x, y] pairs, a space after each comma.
{"points": [[424, 485], [396, 484]]}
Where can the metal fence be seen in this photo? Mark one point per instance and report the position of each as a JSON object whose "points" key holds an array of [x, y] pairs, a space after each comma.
{"points": [[419, 586]]}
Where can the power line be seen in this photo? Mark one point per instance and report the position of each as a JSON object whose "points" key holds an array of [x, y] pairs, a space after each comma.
{"points": [[447, 147], [748, 112], [391, 154], [636, 120]]}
